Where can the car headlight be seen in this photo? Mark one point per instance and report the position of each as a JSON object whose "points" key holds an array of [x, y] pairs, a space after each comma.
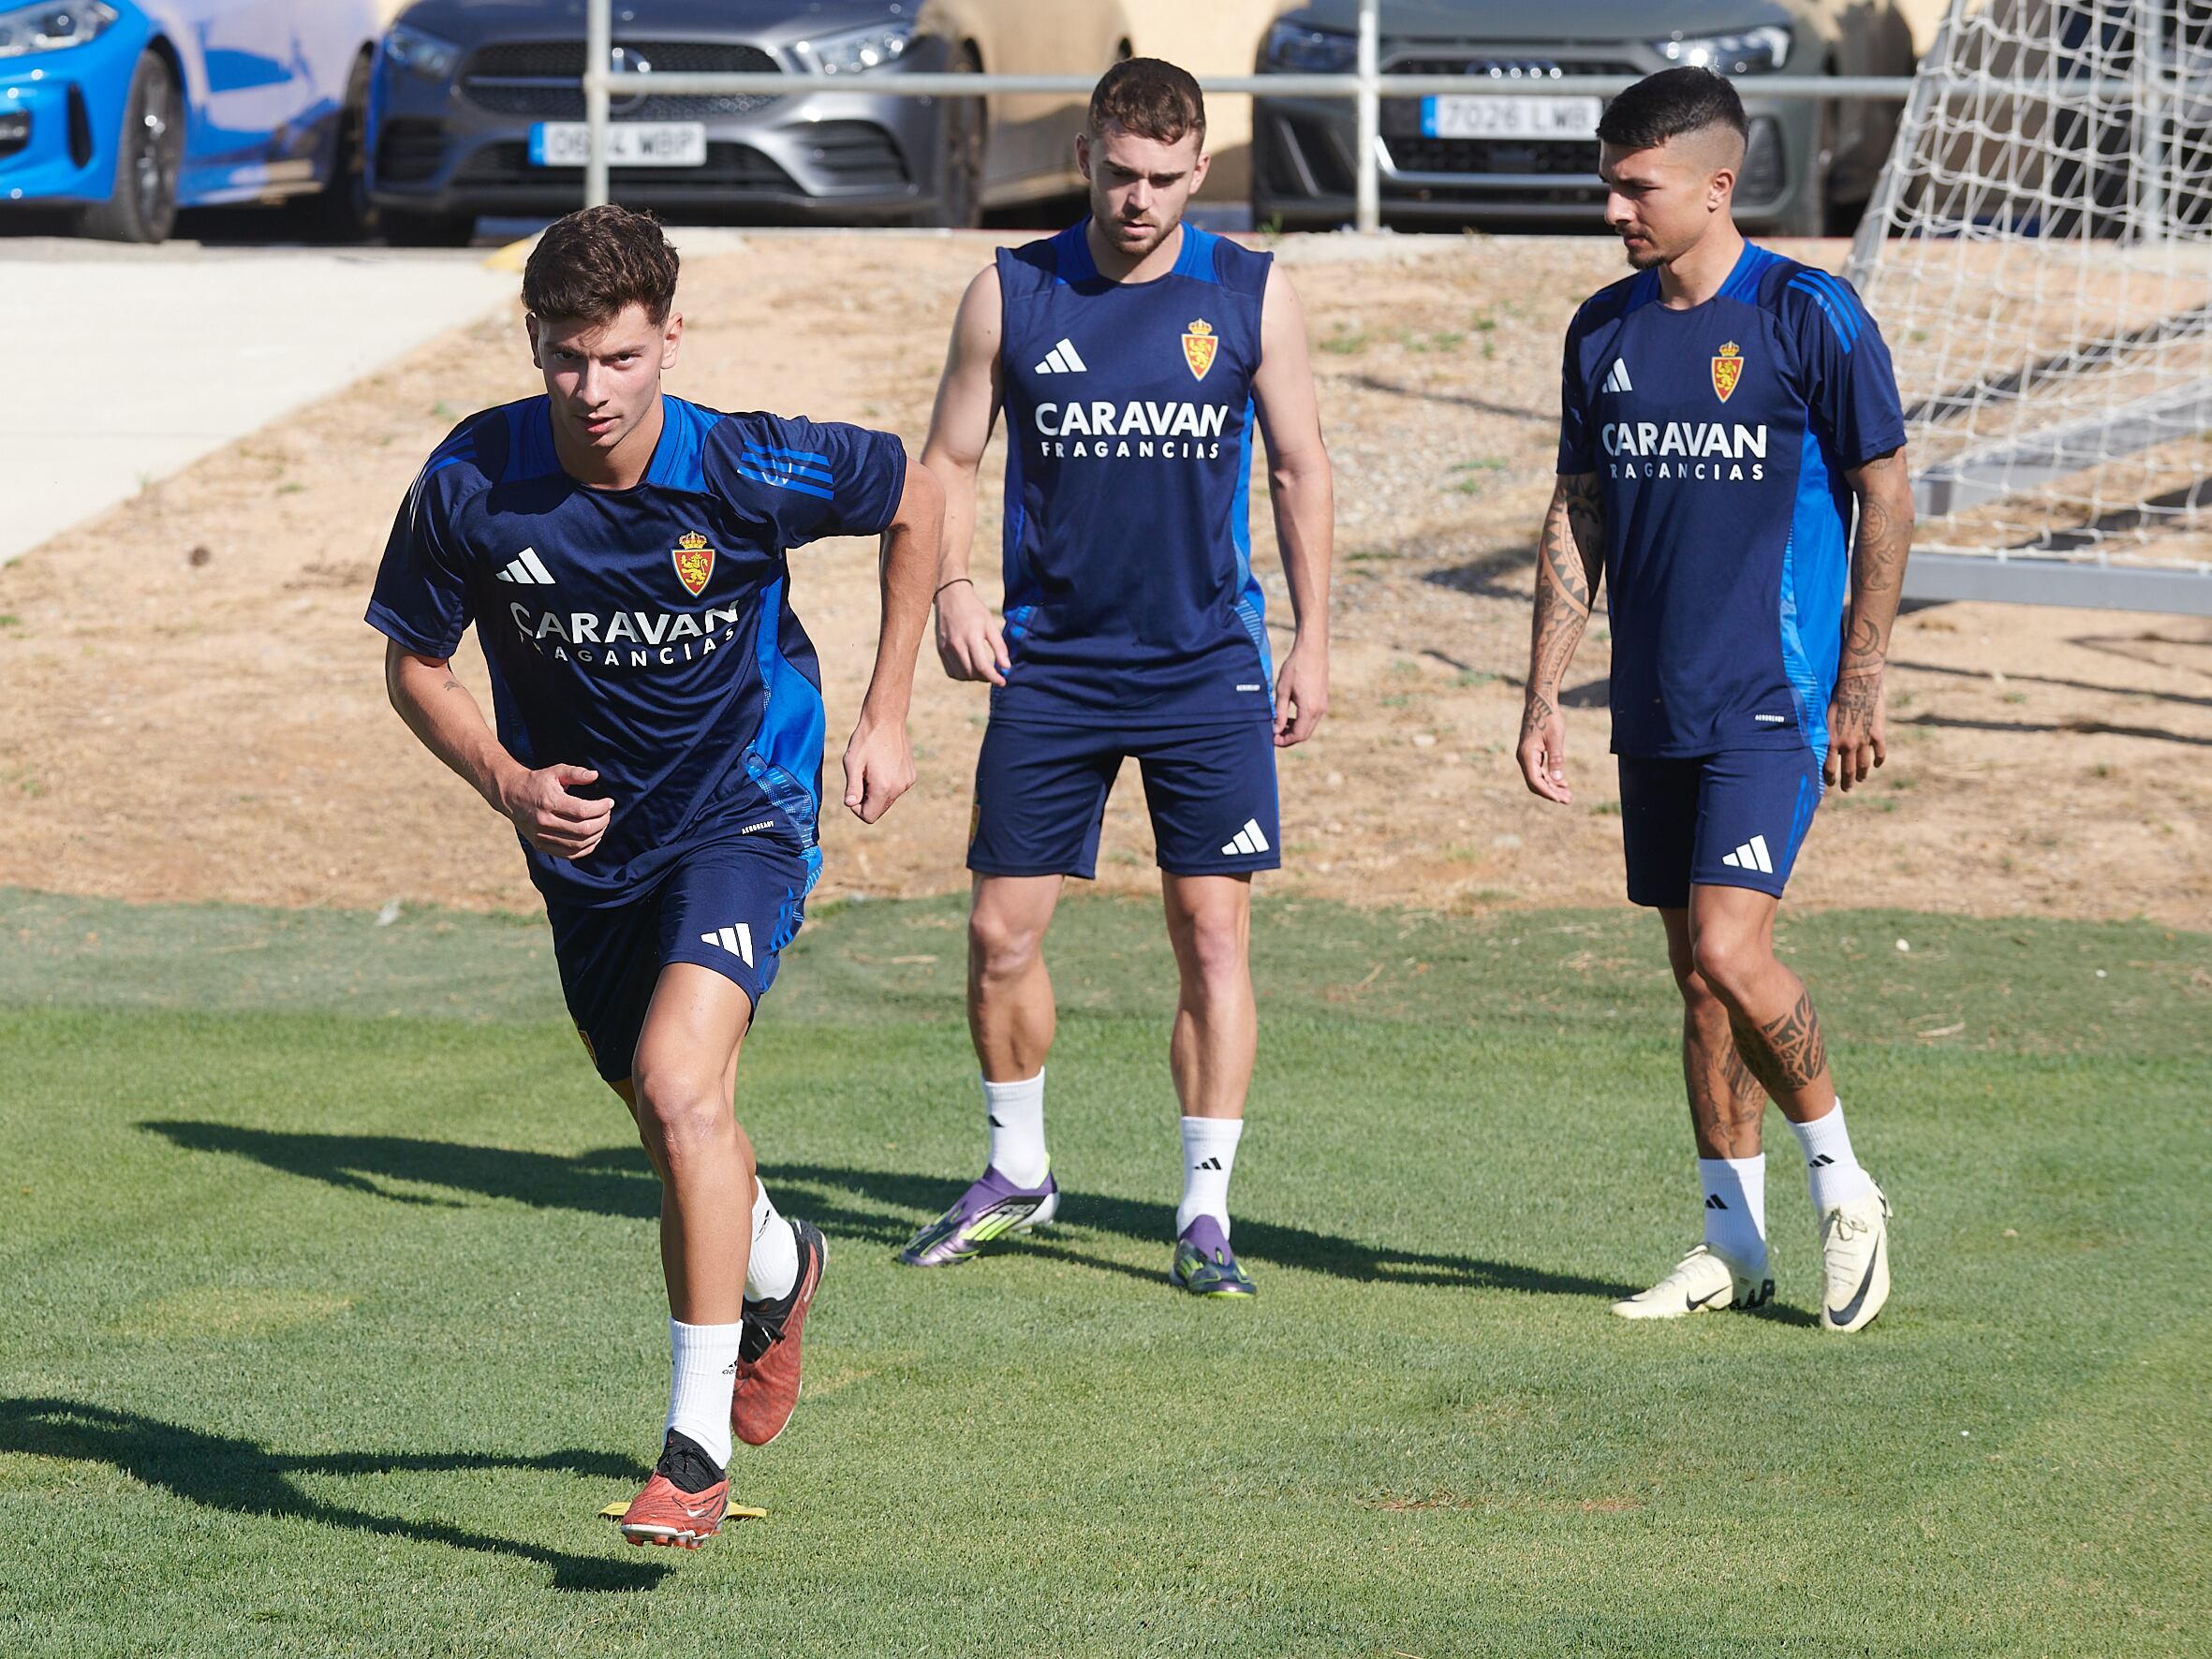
{"points": [[53, 25], [422, 54], [1297, 49], [1747, 51], [858, 51]]}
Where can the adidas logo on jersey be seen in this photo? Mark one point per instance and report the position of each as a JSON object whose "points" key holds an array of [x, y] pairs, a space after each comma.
{"points": [[526, 570], [1250, 839], [1617, 380], [1063, 360], [1752, 855], [736, 940]]}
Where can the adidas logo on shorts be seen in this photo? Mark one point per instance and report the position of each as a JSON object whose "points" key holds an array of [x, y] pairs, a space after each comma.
{"points": [[736, 940], [1752, 855], [1250, 839]]}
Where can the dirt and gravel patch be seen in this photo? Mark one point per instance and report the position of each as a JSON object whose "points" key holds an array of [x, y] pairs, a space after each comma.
{"points": [[194, 709]]}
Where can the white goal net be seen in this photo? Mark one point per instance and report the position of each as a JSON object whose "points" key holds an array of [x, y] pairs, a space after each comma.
{"points": [[2040, 256]]}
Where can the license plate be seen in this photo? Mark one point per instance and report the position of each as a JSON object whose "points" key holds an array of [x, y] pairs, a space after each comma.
{"points": [[1510, 118], [629, 143]]}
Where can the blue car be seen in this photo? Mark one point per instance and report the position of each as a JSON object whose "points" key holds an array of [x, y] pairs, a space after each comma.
{"points": [[124, 110]]}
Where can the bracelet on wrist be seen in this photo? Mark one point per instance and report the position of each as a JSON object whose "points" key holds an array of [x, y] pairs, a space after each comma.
{"points": [[953, 583]]}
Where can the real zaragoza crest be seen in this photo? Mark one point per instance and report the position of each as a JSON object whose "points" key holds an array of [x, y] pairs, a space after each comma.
{"points": [[1199, 346], [1728, 368], [695, 562]]}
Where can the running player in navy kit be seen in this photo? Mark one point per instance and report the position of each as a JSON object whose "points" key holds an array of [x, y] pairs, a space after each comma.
{"points": [[659, 746], [1131, 355], [1721, 411]]}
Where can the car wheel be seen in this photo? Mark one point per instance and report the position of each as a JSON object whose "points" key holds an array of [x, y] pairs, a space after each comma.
{"points": [[142, 206], [341, 211], [961, 134], [406, 228]]}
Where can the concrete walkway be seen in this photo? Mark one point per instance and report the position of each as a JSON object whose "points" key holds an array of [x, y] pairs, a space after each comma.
{"points": [[132, 364]]}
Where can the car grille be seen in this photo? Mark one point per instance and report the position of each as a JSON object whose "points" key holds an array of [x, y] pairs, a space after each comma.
{"points": [[542, 78], [730, 169], [408, 150], [1410, 152], [1574, 156], [855, 153]]}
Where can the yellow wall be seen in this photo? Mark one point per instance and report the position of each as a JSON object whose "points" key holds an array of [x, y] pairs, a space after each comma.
{"points": [[1210, 37]]}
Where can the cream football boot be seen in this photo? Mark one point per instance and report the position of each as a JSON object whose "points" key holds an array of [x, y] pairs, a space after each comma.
{"points": [[1855, 1261], [1703, 1279]]}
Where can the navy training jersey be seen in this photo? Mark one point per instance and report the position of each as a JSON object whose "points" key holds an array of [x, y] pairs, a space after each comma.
{"points": [[1129, 594], [645, 633], [1721, 437]]}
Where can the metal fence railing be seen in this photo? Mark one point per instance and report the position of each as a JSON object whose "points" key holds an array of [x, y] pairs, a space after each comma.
{"points": [[1366, 86]]}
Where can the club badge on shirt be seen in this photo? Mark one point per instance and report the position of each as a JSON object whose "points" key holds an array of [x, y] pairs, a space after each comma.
{"points": [[1728, 368], [695, 562], [1199, 345]]}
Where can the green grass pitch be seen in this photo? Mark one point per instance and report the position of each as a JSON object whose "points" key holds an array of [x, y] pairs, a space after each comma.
{"points": [[330, 1316]]}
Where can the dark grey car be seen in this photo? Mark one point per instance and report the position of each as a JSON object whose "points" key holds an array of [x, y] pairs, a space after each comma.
{"points": [[475, 106], [1511, 161]]}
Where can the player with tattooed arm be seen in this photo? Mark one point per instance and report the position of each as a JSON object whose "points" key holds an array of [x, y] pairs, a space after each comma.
{"points": [[1722, 411]]}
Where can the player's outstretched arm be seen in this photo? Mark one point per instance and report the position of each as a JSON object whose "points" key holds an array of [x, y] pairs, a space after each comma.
{"points": [[880, 761], [1570, 564], [1858, 730], [440, 711], [1304, 491], [970, 642]]}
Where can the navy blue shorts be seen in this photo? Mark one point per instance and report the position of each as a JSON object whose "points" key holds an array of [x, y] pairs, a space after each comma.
{"points": [[732, 907], [1733, 819], [1041, 797]]}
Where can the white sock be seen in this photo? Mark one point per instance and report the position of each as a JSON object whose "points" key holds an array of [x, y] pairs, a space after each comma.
{"points": [[773, 1268], [702, 1374], [1735, 1211], [1017, 1129], [1831, 1167], [1209, 1155]]}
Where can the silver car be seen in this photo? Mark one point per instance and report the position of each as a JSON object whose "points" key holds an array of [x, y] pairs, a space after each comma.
{"points": [[1521, 160], [476, 107]]}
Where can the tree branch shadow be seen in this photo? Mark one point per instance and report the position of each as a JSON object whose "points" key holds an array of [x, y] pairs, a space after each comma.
{"points": [[239, 1478]]}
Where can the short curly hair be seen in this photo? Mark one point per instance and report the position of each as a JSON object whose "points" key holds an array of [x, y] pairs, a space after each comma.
{"points": [[593, 265], [1150, 97]]}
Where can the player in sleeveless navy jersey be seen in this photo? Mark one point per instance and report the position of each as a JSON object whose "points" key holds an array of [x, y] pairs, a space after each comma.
{"points": [[622, 555], [1135, 359], [1722, 412]]}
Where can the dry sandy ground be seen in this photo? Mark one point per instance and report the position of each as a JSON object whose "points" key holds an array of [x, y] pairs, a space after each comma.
{"points": [[194, 707]]}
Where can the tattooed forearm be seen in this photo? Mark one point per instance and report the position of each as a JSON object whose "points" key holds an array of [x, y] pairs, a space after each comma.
{"points": [[1884, 490], [1569, 567], [1785, 1055]]}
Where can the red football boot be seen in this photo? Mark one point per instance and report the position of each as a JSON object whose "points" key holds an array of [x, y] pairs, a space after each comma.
{"points": [[768, 1381]]}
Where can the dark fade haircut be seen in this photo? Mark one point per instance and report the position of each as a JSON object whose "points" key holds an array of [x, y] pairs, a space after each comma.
{"points": [[1150, 97], [595, 263], [1670, 105]]}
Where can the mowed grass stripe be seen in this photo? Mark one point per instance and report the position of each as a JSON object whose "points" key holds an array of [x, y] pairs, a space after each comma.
{"points": [[327, 1333]]}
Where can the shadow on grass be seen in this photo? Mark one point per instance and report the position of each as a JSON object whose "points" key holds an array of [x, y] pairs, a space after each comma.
{"points": [[241, 1478], [616, 1180]]}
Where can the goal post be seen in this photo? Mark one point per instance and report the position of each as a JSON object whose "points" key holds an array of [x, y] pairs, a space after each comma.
{"points": [[2038, 252]]}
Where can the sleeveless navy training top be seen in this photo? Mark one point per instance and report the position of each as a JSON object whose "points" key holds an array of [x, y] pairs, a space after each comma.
{"points": [[1129, 595]]}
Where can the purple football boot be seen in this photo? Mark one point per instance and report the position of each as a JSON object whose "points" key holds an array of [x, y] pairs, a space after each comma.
{"points": [[1204, 1264], [990, 1210]]}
